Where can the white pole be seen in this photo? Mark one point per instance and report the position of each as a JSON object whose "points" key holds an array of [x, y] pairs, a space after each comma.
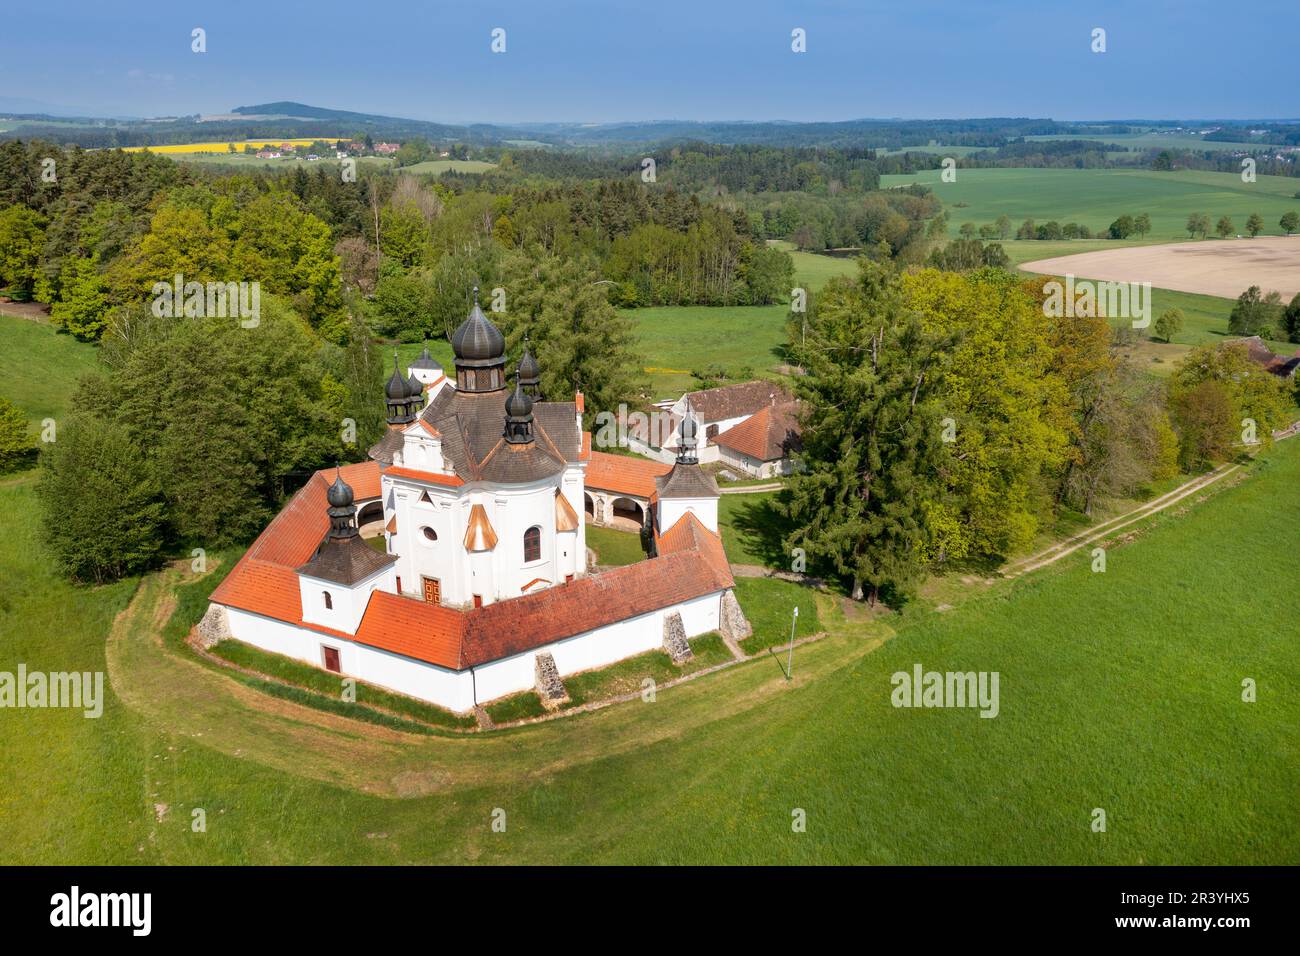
{"points": [[789, 667]]}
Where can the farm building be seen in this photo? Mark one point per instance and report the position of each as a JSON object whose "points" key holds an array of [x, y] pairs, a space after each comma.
{"points": [[475, 582], [1283, 366], [725, 418]]}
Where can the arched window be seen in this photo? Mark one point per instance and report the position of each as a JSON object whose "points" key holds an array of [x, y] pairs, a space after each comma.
{"points": [[429, 534], [533, 544], [329, 601]]}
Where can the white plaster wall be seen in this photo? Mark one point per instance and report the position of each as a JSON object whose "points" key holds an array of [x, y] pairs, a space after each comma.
{"points": [[511, 510], [672, 509], [446, 688], [348, 603], [455, 690], [598, 648]]}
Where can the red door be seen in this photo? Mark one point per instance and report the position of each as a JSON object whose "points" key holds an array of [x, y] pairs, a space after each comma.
{"points": [[332, 659], [432, 590]]}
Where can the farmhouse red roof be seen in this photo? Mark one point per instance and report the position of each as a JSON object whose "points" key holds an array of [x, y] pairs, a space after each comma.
{"points": [[768, 435]]}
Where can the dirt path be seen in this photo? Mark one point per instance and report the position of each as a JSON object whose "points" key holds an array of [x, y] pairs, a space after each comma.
{"points": [[1106, 528], [33, 311], [752, 489]]}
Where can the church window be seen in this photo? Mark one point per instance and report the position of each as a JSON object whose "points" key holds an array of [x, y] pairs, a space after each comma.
{"points": [[329, 601], [429, 533], [533, 544]]}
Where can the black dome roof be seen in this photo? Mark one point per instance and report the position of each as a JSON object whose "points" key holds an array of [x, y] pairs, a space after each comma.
{"points": [[340, 493], [477, 339], [519, 405], [528, 368], [414, 387], [396, 388]]}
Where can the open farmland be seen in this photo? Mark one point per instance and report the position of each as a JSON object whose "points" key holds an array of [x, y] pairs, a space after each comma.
{"points": [[1213, 267], [1096, 197]]}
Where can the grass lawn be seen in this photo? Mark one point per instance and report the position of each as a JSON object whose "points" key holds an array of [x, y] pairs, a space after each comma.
{"points": [[811, 270], [769, 605], [628, 676], [1096, 197], [679, 338], [752, 530], [39, 366], [614, 547]]}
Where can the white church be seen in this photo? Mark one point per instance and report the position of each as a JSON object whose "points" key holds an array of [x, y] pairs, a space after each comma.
{"points": [[482, 587]]}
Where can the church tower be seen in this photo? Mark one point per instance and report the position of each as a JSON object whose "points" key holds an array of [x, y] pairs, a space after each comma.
{"points": [[480, 353]]}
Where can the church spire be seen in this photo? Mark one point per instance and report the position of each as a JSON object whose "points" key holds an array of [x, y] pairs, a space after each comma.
{"points": [[480, 353], [341, 508], [687, 439], [397, 396], [519, 415]]}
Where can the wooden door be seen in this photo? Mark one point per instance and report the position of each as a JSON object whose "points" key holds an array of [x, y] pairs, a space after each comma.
{"points": [[332, 659], [432, 590]]}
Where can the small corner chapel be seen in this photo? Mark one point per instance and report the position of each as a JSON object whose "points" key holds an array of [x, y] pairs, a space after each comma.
{"points": [[482, 583]]}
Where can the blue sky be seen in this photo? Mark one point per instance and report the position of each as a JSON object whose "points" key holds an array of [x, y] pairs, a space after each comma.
{"points": [[580, 60]]}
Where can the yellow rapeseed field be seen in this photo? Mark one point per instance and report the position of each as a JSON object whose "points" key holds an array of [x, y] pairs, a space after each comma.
{"points": [[225, 147]]}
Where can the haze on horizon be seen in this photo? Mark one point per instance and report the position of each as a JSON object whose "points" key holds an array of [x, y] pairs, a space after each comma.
{"points": [[587, 61]]}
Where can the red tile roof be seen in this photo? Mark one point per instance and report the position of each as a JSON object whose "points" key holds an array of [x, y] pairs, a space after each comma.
{"points": [[623, 474], [768, 435]]}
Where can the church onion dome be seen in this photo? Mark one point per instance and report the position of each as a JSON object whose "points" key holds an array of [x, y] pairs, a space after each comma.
{"points": [[528, 369], [519, 405], [396, 389], [340, 493], [414, 387], [477, 339]]}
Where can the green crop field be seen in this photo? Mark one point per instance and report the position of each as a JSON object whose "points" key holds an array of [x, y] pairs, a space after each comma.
{"points": [[1155, 140], [1096, 197]]}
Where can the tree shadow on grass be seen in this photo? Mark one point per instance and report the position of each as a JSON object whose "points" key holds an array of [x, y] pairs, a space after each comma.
{"points": [[763, 529]]}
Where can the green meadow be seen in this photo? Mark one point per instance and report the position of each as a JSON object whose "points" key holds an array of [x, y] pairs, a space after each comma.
{"points": [[1096, 197], [39, 366]]}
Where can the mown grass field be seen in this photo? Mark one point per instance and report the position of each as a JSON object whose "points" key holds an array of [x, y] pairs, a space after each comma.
{"points": [[1096, 197], [678, 338]]}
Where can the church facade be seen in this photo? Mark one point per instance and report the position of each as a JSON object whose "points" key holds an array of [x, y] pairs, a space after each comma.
{"points": [[482, 583]]}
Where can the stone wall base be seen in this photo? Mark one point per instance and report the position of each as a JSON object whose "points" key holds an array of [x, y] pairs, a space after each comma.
{"points": [[215, 626], [549, 686], [675, 643], [731, 620]]}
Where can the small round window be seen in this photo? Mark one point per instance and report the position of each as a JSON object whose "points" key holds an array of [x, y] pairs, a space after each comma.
{"points": [[429, 534]]}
